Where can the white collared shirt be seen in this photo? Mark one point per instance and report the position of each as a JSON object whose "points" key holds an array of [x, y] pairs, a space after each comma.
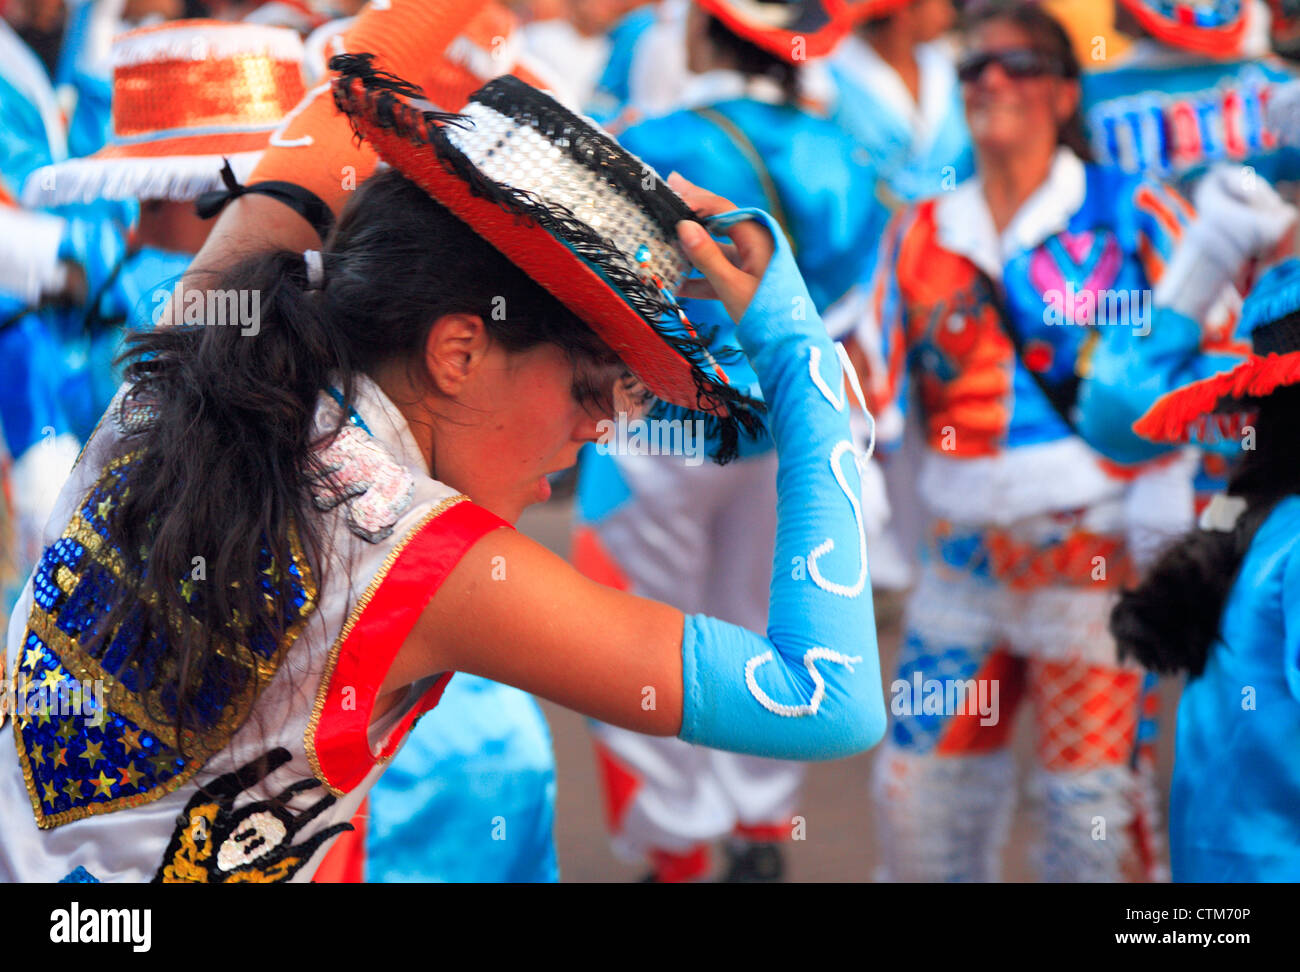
{"points": [[965, 225]]}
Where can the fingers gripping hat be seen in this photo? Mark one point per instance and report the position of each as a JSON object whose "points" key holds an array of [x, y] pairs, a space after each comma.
{"points": [[1214, 28], [186, 95], [794, 31], [1216, 408], [586, 220]]}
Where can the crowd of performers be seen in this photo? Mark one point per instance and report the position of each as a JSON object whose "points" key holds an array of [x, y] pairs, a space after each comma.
{"points": [[302, 303]]}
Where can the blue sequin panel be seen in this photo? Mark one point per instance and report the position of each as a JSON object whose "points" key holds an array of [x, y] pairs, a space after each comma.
{"points": [[79, 752]]}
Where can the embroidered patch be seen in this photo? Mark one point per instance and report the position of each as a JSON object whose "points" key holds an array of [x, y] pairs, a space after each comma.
{"points": [[360, 472], [216, 844], [87, 742]]}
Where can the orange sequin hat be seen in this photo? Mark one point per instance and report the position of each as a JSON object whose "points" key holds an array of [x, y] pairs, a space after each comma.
{"points": [[186, 94]]}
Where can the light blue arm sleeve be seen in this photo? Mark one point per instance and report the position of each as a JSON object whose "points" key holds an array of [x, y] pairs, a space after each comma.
{"points": [[1130, 370], [810, 689]]}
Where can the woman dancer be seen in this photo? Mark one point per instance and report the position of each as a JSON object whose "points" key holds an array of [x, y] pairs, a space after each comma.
{"points": [[276, 549]]}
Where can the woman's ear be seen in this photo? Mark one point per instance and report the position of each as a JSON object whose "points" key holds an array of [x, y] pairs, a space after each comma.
{"points": [[454, 350]]}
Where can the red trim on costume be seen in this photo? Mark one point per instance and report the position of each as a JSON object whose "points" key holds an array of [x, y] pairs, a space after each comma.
{"points": [[592, 560], [763, 833], [549, 262], [671, 868], [618, 784], [963, 735], [340, 739]]}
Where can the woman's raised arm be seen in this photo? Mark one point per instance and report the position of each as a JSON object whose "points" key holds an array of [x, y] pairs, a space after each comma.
{"points": [[513, 612]]}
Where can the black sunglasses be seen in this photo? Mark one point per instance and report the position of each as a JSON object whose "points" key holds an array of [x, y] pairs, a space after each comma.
{"points": [[1017, 62]]}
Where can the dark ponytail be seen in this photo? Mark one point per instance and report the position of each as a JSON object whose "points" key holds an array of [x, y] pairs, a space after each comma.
{"points": [[225, 457], [1171, 620], [752, 61]]}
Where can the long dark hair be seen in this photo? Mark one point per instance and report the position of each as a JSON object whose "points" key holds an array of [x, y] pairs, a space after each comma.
{"points": [[225, 461], [1171, 620], [752, 61], [1049, 38]]}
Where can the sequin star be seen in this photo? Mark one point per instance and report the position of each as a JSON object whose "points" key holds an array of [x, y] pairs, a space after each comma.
{"points": [[48, 793], [187, 589], [161, 763], [50, 679], [130, 776], [72, 789], [38, 755], [103, 784], [66, 730], [91, 754], [104, 507], [61, 757], [131, 739], [32, 658]]}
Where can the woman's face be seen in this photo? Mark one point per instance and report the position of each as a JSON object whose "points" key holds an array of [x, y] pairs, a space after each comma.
{"points": [[516, 418], [1013, 115]]}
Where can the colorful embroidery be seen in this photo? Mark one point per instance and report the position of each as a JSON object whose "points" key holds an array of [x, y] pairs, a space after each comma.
{"points": [[216, 844], [86, 740], [360, 472]]}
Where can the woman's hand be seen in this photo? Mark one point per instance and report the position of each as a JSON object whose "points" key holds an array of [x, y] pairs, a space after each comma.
{"points": [[731, 271]]}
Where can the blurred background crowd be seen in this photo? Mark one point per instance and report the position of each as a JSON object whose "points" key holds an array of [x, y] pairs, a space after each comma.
{"points": [[124, 123]]}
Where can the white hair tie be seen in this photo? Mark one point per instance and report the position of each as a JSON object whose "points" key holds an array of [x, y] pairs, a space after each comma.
{"points": [[1222, 513], [315, 269]]}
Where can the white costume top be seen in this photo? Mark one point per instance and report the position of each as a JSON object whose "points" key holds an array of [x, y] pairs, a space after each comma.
{"points": [[96, 785]]}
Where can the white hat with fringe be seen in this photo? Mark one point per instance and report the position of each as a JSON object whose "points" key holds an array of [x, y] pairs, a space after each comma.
{"points": [[187, 94]]}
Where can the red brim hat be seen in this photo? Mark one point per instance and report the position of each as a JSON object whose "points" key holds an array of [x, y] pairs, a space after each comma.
{"points": [[1215, 28], [589, 222], [871, 9], [1218, 407], [793, 32]]}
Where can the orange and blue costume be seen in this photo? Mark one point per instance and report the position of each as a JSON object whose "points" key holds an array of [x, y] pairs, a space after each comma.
{"points": [[1031, 529]]}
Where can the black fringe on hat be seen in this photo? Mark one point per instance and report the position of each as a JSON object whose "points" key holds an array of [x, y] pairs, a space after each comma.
{"points": [[384, 104]]}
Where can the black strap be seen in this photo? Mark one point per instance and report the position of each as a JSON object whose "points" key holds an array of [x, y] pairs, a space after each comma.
{"points": [[1063, 395], [302, 201], [776, 208], [94, 320]]}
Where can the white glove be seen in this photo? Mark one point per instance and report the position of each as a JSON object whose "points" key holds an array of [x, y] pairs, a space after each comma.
{"points": [[1239, 216], [1283, 113]]}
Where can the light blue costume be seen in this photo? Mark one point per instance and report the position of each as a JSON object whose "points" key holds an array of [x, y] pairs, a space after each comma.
{"points": [[914, 163], [471, 795], [1167, 114], [1234, 806]]}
